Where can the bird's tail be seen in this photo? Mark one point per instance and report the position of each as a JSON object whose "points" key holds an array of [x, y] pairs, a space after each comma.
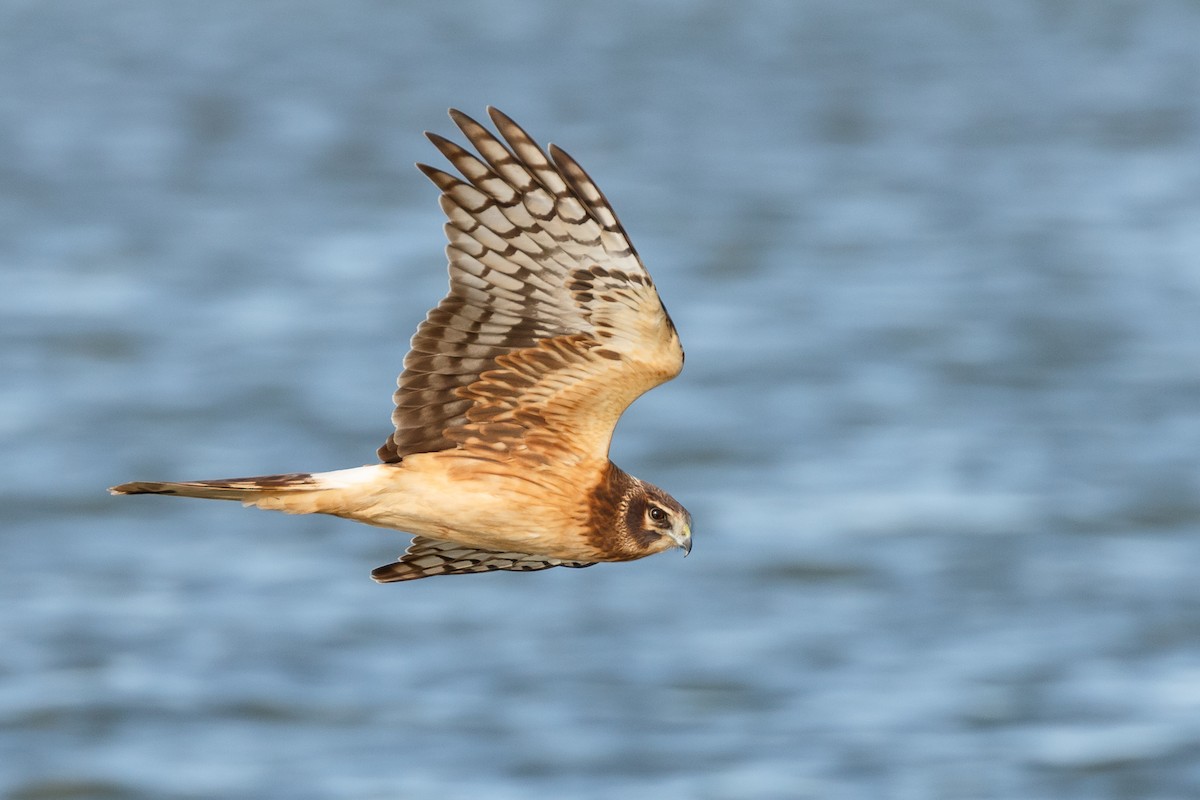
{"points": [[295, 492], [222, 488]]}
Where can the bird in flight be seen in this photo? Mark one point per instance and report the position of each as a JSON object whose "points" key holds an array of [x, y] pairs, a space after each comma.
{"points": [[513, 384]]}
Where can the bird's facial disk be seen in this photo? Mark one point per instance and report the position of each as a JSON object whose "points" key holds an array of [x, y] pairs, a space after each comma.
{"points": [[663, 517]]}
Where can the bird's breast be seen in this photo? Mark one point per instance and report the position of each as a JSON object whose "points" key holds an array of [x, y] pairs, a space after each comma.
{"points": [[491, 505]]}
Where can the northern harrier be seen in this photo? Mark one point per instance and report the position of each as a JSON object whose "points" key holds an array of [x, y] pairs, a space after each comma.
{"points": [[513, 384]]}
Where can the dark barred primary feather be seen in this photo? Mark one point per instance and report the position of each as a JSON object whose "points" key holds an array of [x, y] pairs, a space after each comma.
{"points": [[427, 557]]}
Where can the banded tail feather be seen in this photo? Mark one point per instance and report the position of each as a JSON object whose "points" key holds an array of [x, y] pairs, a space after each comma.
{"points": [[292, 493], [223, 488]]}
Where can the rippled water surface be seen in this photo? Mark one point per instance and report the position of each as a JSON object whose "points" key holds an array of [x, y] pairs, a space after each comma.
{"points": [[937, 270]]}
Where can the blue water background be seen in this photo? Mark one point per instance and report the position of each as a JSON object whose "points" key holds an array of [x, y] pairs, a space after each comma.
{"points": [[937, 269]]}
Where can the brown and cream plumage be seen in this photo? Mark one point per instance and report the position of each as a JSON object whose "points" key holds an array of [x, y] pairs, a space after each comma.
{"points": [[513, 384]]}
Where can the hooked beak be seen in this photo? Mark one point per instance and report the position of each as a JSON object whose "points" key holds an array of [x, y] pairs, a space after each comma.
{"points": [[683, 540]]}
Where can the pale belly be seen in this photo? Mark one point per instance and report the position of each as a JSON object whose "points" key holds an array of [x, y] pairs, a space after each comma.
{"points": [[471, 502]]}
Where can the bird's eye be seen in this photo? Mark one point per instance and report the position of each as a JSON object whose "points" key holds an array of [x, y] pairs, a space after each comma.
{"points": [[657, 514]]}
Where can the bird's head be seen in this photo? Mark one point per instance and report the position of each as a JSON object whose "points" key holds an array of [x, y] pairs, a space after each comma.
{"points": [[654, 521]]}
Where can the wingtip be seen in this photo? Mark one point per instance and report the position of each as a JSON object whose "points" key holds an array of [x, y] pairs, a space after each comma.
{"points": [[436, 175], [463, 120], [561, 158], [499, 117], [447, 147], [395, 573]]}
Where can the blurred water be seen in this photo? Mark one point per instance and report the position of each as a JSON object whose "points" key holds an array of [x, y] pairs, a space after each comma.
{"points": [[936, 269]]}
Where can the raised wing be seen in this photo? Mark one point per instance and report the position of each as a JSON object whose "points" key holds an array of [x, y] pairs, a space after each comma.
{"points": [[428, 557], [552, 325]]}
